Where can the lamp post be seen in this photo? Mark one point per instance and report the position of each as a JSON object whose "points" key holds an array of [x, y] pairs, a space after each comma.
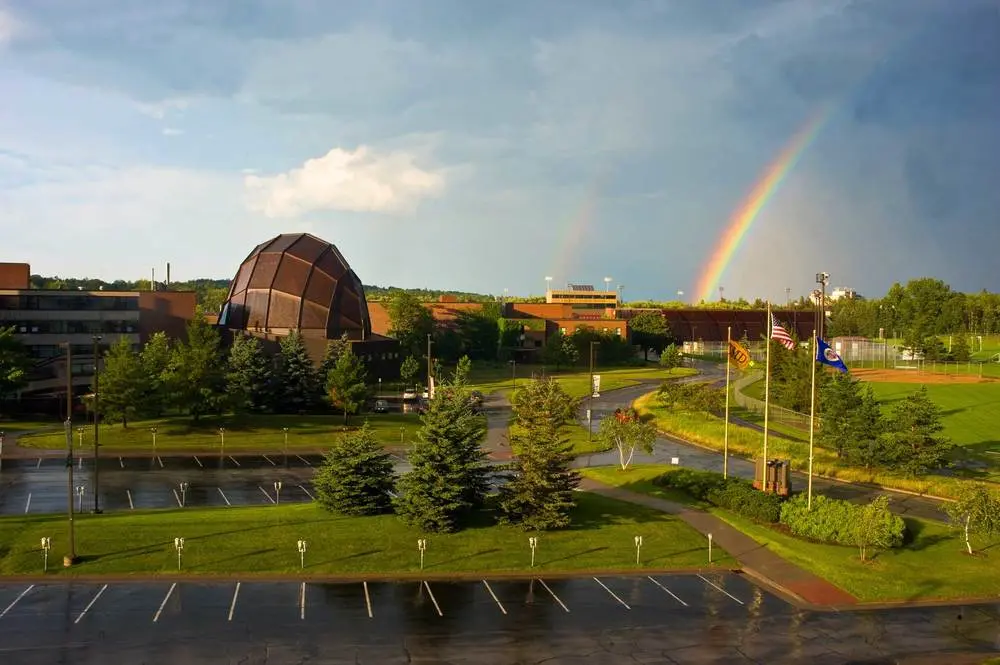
{"points": [[153, 431], [1, 450], [70, 557], [532, 543], [590, 398], [222, 439], [179, 546], [284, 431], [638, 545], [302, 553], [97, 418], [822, 278], [46, 546], [184, 489], [79, 437], [80, 491], [422, 546], [788, 296], [548, 287], [277, 492], [710, 548], [380, 387], [513, 374]]}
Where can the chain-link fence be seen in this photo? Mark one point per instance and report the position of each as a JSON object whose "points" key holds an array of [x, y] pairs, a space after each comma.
{"points": [[777, 414]]}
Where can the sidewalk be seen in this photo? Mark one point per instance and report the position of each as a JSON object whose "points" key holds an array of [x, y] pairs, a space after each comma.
{"points": [[755, 559]]}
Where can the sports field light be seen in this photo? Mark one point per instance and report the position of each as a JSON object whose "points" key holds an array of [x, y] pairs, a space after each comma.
{"points": [[532, 543], [422, 546], [46, 546], [80, 490], [179, 546], [638, 545], [277, 492], [302, 554], [184, 489]]}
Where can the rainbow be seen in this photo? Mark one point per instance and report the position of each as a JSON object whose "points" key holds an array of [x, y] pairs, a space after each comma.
{"points": [[762, 192], [577, 228]]}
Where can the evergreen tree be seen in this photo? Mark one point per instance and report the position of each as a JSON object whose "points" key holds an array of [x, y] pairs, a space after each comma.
{"points": [[346, 384], [462, 371], [670, 357], [838, 400], [249, 375], [449, 477], [298, 381], [123, 383], [960, 347], [868, 444], [197, 371], [539, 493], [913, 435], [408, 370], [356, 476], [155, 359]]}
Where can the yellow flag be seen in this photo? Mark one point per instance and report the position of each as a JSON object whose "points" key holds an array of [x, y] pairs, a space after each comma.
{"points": [[739, 354]]}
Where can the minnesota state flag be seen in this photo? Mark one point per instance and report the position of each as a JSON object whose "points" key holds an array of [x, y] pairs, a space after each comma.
{"points": [[828, 356], [738, 354]]}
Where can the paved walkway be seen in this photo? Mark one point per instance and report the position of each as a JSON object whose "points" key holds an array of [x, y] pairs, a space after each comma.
{"points": [[754, 558]]}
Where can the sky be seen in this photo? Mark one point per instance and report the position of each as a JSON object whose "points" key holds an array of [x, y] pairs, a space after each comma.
{"points": [[483, 146]]}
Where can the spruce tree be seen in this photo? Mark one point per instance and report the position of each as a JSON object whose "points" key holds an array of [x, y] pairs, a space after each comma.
{"points": [[197, 371], [913, 437], [299, 385], [249, 375], [838, 400], [539, 492], [356, 476], [448, 480], [123, 383], [345, 384]]}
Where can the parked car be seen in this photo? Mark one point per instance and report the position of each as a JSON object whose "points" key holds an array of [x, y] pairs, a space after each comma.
{"points": [[409, 395], [381, 406], [426, 394]]}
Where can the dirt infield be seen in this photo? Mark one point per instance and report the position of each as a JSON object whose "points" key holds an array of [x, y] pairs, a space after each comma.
{"points": [[915, 376]]}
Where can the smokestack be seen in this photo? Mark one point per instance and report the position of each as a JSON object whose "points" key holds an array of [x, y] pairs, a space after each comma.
{"points": [[168, 275], [152, 280]]}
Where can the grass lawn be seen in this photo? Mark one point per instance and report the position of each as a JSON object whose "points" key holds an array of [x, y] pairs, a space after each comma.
{"points": [[250, 432], [576, 382], [932, 565], [263, 541], [28, 425]]}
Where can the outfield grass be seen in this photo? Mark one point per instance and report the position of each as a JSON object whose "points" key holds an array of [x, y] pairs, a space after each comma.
{"points": [[933, 565], [248, 432], [575, 382], [969, 411], [263, 541], [15, 426]]}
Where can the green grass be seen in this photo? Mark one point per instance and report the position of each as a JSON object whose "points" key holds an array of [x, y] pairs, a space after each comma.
{"points": [[576, 382], [969, 411], [243, 433], [28, 425], [263, 541], [933, 565]]}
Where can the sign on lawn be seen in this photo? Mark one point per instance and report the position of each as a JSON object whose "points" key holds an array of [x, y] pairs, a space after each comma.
{"points": [[597, 385]]}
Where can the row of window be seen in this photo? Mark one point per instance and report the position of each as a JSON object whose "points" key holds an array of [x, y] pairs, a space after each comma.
{"points": [[618, 331], [44, 351], [68, 303], [73, 327]]}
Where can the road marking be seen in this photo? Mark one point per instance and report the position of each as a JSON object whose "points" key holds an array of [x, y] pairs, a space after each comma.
{"points": [[178, 497], [39, 465], [131, 506], [81, 462], [497, 600], [721, 589], [302, 602], [199, 462], [156, 617], [234, 460], [668, 591], [552, 593], [265, 493], [311, 498], [433, 599], [308, 463], [91, 603], [613, 594], [27, 504], [19, 597], [368, 601], [160, 460], [223, 496], [269, 460], [232, 607], [121, 461]]}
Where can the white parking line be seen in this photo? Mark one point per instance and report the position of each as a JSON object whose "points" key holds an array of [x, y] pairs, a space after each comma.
{"points": [[39, 465], [27, 504], [121, 461], [234, 460], [497, 600], [156, 617], [223, 496], [178, 498], [721, 589], [232, 607], [433, 599], [19, 597], [311, 498], [668, 591], [302, 602], [265, 493], [552, 593], [613, 594], [368, 601], [308, 463], [199, 462], [269, 460], [91, 603], [131, 506], [160, 460]]}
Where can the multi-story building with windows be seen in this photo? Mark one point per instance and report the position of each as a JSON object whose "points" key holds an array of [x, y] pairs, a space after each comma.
{"points": [[46, 321]]}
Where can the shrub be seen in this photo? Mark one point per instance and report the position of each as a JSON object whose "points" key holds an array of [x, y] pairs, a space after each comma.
{"points": [[695, 483], [832, 521], [740, 497]]}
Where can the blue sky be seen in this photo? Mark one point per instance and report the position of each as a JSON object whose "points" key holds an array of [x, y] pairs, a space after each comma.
{"points": [[486, 145]]}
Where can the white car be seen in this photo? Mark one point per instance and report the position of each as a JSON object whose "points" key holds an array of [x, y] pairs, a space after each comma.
{"points": [[409, 394]]}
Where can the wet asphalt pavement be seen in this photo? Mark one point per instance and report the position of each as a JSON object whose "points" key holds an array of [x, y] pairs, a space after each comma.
{"points": [[710, 618]]}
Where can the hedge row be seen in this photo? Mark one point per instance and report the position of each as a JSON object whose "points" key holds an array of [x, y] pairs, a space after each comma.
{"points": [[832, 520], [732, 494]]}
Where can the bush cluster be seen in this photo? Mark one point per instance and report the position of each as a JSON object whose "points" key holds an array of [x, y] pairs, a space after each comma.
{"points": [[832, 521], [732, 494]]}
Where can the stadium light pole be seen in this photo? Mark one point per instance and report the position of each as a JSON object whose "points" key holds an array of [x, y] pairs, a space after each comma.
{"points": [[97, 374], [822, 278], [70, 558], [548, 286]]}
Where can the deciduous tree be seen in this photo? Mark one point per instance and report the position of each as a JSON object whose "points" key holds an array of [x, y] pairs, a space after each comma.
{"points": [[123, 383], [356, 477], [670, 357], [649, 330], [976, 511], [155, 357], [408, 370], [14, 363], [345, 384], [409, 322], [197, 371], [626, 431], [873, 528]]}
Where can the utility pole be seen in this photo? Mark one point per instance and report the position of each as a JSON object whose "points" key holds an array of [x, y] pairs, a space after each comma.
{"points": [[97, 418], [70, 557]]}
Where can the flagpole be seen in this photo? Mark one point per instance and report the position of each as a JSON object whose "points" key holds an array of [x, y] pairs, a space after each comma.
{"points": [[725, 446], [812, 421], [767, 393]]}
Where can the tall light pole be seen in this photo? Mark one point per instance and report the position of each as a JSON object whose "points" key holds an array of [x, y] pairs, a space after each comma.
{"points": [[97, 417], [722, 290], [607, 284], [548, 286], [284, 430], [513, 374], [70, 558], [680, 296], [621, 295], [822, 278], [788, 296]]}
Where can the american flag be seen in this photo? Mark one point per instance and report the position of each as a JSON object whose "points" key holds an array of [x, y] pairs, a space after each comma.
{"points": [[780, 334]]}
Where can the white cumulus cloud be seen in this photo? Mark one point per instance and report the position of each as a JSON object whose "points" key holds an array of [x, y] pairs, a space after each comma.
{"points": [[360, 180]]}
